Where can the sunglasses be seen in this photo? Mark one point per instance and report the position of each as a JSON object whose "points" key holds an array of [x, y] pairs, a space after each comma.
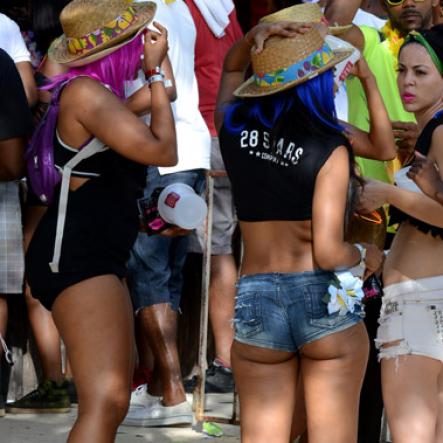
{"points": [[400, 2]]}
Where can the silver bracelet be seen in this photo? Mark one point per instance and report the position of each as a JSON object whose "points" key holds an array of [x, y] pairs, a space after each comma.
{"points": [[154, 78]]}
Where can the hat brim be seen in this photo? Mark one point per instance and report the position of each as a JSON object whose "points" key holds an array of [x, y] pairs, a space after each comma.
{"points": [[59, 53], [250, 89], [339, 30]]}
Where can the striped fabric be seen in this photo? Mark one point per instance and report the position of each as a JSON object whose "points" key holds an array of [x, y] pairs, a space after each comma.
{"points": [[11, 240]]}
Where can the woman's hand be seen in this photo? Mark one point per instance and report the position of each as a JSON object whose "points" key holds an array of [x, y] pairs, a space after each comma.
{"points": [[374, 259], [156, 46], [426, 175], [373, 196], [257, 36]]}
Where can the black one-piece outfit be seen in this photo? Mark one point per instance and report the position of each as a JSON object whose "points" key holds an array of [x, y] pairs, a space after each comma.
{"points": [[100, 229]]}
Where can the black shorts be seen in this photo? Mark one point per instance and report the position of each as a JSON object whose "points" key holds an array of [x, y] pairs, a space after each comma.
{"points": [[100, 229]]}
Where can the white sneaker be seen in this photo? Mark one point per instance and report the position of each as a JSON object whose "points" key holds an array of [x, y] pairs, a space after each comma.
{"points": [[140, 397], [156, 414], [140, 400]]}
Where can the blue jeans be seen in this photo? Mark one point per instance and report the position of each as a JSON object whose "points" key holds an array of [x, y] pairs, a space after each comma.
{"points": [[286, 311], [155, 264]]}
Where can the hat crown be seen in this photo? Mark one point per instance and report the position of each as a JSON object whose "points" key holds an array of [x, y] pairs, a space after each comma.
{"points": [[306, 12], [81, 17], [281, 52]]}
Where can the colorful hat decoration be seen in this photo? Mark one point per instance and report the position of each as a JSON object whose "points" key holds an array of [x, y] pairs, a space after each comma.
{"points": [[96, 28], [288, 61]]}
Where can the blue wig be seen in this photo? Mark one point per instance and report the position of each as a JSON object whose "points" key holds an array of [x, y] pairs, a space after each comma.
{"points": [[316, 96]]}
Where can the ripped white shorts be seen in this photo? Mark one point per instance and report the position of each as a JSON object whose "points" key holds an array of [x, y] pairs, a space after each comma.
{"points": [[411, 317]]}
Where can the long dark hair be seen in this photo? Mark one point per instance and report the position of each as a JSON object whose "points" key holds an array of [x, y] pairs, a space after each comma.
{"points": [[45, 21], [311, 105]]}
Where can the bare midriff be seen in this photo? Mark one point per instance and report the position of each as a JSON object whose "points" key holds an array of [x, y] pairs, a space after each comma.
{"points": [[277, 246], [413, 255]]}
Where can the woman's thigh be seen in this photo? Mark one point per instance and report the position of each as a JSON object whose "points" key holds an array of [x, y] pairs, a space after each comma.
{"points": [[410, 394], [94, 318], [332, 370], [266, 381]]}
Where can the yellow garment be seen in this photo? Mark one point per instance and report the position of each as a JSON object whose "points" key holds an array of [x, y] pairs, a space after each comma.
{"points": [[379, 52]]}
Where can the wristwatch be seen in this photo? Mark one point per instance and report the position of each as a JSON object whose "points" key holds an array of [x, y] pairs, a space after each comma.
{"points": [[151, 72], [359, 269]]}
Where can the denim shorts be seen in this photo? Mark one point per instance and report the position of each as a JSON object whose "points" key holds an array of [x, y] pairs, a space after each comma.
{"points": [[156, 262], [286, 311], [411, 317]]}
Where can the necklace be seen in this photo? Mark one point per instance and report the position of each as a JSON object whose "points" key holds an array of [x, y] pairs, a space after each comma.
{"points": [[393, 37]]}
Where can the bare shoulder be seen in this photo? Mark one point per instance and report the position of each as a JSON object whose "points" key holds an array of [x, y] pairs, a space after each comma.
{"points": [[336, 161], [85, 91]]}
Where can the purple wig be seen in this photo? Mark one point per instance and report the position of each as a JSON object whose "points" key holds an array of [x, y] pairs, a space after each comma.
{"points": [[113, 70]]}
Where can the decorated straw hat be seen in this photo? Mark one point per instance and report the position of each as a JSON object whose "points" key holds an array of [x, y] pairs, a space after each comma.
{"points": [[96, 28], [287, 61], [303, 13]]}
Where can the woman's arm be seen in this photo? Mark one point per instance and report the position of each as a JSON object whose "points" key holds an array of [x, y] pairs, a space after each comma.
{"points": [[331, 252], [415, 204], [379, 143], [140, 101], [239, 56], [87, 107]]}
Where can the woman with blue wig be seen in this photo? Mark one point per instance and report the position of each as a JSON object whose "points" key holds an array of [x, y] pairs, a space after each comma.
{"points": [[294, 185]]}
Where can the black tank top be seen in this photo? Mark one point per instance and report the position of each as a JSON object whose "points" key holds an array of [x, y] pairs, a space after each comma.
{"points": [[423, 145], [274, 179]]}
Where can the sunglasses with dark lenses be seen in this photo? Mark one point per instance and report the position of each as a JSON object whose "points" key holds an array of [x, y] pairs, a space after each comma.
{"points": [[400, 2]]}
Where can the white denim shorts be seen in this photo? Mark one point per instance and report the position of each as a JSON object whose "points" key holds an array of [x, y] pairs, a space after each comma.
{"points": [[412, 318]]}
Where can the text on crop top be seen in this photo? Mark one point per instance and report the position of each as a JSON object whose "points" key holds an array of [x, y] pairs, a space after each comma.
{"points": [[275, 179]]}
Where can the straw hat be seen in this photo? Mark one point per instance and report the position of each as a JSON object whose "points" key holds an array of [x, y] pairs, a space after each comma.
{"points": [[303, 13], [96, 28], [288, 61]]}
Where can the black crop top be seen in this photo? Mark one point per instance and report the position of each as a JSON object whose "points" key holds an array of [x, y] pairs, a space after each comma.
{"points": [[423, 145], [275, 180]]}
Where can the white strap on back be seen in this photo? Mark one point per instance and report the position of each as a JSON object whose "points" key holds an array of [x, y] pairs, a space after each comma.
{"points": [[87, 151]]}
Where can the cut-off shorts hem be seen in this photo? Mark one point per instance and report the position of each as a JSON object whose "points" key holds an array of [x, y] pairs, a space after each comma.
{"points": [[411, 319], [275, 347]]}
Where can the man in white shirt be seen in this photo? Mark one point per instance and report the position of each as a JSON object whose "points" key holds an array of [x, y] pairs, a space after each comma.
{"points": [[155, 266], [15, 125]]}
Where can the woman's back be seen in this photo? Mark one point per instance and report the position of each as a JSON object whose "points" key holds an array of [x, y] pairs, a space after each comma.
{"points": [[273, 173]]}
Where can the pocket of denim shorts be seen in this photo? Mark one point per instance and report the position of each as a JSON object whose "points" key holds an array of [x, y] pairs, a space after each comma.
{"points": [[248, 320], [317, 309]]}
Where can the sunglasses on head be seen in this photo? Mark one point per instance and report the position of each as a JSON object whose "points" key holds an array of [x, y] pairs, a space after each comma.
{"points": [[400, 2]]}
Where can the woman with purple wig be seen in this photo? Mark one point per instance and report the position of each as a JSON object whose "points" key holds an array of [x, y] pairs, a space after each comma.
{"points": [[98, 151]]}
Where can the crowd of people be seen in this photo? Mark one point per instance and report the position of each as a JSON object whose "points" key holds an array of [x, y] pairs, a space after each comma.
{"points": [[327, 117]]}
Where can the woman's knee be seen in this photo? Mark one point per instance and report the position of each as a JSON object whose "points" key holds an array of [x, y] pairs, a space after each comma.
{"points": [[111, 402]]}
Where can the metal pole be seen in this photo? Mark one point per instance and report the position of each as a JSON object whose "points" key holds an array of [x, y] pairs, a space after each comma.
{"points": [[199, 392]]}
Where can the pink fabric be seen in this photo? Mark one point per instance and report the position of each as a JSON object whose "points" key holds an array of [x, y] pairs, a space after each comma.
{"points": [[210, 53], [113, 70]]}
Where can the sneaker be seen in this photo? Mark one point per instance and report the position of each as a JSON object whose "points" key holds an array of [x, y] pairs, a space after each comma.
{"points": [[69, 385], [140, 401], [2, 406], [49, 398], [156, 414], [219, 380]]}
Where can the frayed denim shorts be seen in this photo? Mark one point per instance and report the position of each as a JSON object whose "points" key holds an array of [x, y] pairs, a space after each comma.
{"points": [[286, 311]]}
